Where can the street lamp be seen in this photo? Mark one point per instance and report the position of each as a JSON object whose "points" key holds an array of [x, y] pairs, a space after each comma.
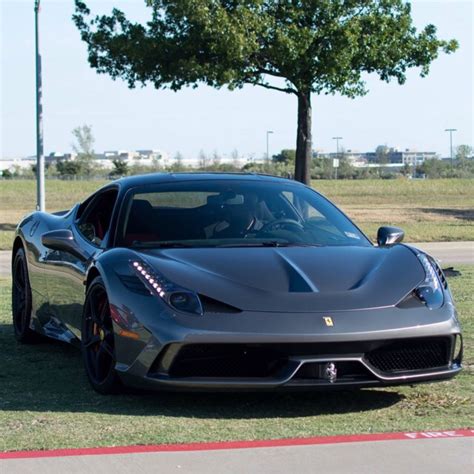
{"points": [[451, 130], [269, 132], [337, 154], [40, 201]]}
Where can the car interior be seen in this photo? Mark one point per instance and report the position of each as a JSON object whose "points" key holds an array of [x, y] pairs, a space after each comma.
{"points": [[164, 217]]}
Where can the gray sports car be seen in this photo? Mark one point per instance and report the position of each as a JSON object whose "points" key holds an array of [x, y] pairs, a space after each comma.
{"points": [[231, 281]]}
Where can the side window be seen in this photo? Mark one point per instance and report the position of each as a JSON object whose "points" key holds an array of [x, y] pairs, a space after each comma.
{"points": [[95, 220]]}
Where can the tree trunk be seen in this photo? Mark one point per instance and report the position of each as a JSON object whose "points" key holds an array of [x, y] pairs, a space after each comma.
{"points": [[303, 140]]}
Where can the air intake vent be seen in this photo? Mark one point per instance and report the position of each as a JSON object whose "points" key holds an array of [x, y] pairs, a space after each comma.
{"points": [[442, 278], [407, 355], [211, 305]]}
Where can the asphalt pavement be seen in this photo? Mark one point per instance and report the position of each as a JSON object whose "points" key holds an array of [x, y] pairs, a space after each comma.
{"points": [[430, 456], [449, 253]]}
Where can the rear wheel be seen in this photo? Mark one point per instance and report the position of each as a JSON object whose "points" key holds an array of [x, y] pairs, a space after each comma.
{"points": [[98, 349], [21, 300]]}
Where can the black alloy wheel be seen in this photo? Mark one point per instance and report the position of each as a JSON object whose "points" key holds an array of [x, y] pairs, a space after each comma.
{"points": [[97, 343], [21, 300]]}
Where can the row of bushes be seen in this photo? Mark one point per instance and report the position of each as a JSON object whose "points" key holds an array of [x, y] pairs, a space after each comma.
{"points": [[320, 169]]}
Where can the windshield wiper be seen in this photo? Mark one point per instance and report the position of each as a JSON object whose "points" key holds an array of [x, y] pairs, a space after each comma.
{"points": [[160, 245], [269, 243]]}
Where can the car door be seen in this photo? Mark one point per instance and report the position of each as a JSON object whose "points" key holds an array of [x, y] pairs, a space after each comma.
{"points": [[66, 290]]}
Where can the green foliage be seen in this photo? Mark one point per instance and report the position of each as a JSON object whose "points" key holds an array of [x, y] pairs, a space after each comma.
{"points": [[464, 152], [320, 46], [7, 174], [293, 46], [84, 148], [382, 154], [443, 169], [69, 169], [120, 168], [285, 156]]}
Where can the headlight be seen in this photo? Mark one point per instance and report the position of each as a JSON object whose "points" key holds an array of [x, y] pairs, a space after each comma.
{"points": [[173, 295], [430, 291]]}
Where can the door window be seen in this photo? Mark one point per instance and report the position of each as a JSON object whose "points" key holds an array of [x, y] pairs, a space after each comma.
{"points": [[95, 222]]}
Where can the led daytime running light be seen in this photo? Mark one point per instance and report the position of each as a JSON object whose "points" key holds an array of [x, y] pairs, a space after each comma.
{"points": [[163, 288], [431, 278], [430, 292]]}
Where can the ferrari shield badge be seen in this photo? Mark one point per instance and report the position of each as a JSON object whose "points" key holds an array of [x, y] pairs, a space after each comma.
{"points": [[328, 320]]}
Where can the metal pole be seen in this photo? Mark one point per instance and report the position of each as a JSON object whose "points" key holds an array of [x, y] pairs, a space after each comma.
{"points": [[40, 199], [337, 152], [269, 132], [451, 130]]}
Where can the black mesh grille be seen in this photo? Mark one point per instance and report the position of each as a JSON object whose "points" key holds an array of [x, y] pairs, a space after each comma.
{"points": [[270, 360], [225, 361], [402, 356]]}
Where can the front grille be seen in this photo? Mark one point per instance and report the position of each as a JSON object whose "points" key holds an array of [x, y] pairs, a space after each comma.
{"points": [[270, 360], [408, 355], [225, 361]]}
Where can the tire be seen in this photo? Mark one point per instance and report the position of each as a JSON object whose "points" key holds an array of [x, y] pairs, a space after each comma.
{"points": [[97, 341], [21, 300]]}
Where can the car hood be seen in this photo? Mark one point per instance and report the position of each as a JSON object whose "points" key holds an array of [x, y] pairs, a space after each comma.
{"points": [[293, 279]]}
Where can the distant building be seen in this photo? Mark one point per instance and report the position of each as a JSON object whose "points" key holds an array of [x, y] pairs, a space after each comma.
{"points": [[402, 158], [57, 156], [14, 164]]}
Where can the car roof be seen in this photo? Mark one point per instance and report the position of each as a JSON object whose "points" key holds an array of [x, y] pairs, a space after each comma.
{"points": [[156, 178]]}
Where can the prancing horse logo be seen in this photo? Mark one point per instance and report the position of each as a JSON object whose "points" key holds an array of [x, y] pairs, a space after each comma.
{"points": [[328, 321]]}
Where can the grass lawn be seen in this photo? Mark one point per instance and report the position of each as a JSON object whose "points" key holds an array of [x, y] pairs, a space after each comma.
{"points": [[45, 401], [428, 210]]}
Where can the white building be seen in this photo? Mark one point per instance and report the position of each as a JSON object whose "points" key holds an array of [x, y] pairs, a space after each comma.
{"points": [[13, 164]]}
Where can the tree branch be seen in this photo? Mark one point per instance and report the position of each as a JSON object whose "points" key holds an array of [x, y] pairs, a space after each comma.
{"points": [[287, 90]]}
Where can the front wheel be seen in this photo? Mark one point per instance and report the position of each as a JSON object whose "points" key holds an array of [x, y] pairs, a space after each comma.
{"points": [[97, 340], [21, 300]]}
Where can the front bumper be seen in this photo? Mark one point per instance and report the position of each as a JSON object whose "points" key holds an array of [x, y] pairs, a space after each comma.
{"points": [[300, 366], [269, 351]]}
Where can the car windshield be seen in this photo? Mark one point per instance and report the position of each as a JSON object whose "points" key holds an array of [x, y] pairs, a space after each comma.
{"points": [[233, 213]]}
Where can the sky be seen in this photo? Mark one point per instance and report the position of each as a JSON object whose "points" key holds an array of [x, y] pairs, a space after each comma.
{"points": [[411, 116]]}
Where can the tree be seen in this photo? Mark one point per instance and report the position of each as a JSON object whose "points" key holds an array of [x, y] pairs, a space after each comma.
{"points": [[7, 174], [298, 47], [235, 158], [84, 148], [203, 160], [381, 152], [464, 152], [68, 168], [216, 159], [120, 168], [285, 156]]}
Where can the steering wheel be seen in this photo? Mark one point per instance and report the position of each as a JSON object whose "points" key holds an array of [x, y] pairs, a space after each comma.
{"points": [[281, 223]]}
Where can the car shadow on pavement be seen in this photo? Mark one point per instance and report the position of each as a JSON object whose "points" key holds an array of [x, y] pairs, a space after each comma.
{"points": [[49, 376]]}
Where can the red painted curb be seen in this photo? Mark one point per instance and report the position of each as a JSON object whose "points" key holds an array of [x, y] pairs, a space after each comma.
{"points": [[212, 446]]}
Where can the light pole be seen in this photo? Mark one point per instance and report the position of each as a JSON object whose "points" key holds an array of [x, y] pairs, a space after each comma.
{"points": [[40, 201], [451, 130], [269, 132], [337, 152]]}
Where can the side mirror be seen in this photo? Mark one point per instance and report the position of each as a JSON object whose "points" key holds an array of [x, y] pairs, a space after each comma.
{"points": [[389, 236], [63, 241]]}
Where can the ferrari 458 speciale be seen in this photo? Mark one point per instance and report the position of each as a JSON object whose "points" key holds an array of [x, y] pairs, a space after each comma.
{"points": [[234, 282]]}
